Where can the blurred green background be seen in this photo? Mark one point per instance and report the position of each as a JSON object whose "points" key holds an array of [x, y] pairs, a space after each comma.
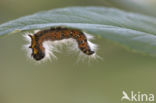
{"points": [[64, 80]]}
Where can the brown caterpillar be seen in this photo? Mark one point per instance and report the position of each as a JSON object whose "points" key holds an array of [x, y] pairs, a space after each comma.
{"points": [[58, 34]]}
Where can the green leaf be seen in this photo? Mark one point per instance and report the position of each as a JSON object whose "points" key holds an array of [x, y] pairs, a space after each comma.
{"points": [[132, 30]]}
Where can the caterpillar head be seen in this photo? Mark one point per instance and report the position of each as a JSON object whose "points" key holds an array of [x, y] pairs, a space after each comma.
{"points": [[37, 49]]}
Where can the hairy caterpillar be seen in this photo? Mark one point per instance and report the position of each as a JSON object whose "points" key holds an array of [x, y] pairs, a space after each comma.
{"points": [[40, 50]]}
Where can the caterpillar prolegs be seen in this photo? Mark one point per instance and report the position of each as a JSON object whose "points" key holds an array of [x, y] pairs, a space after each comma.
{"points": [[40, 50]]}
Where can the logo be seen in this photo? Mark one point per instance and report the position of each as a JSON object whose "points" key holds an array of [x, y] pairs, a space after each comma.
{"points": [[137, 96]]}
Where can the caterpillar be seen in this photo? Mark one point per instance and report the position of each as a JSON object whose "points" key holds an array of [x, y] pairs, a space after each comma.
{"points": [[40, 51]]}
